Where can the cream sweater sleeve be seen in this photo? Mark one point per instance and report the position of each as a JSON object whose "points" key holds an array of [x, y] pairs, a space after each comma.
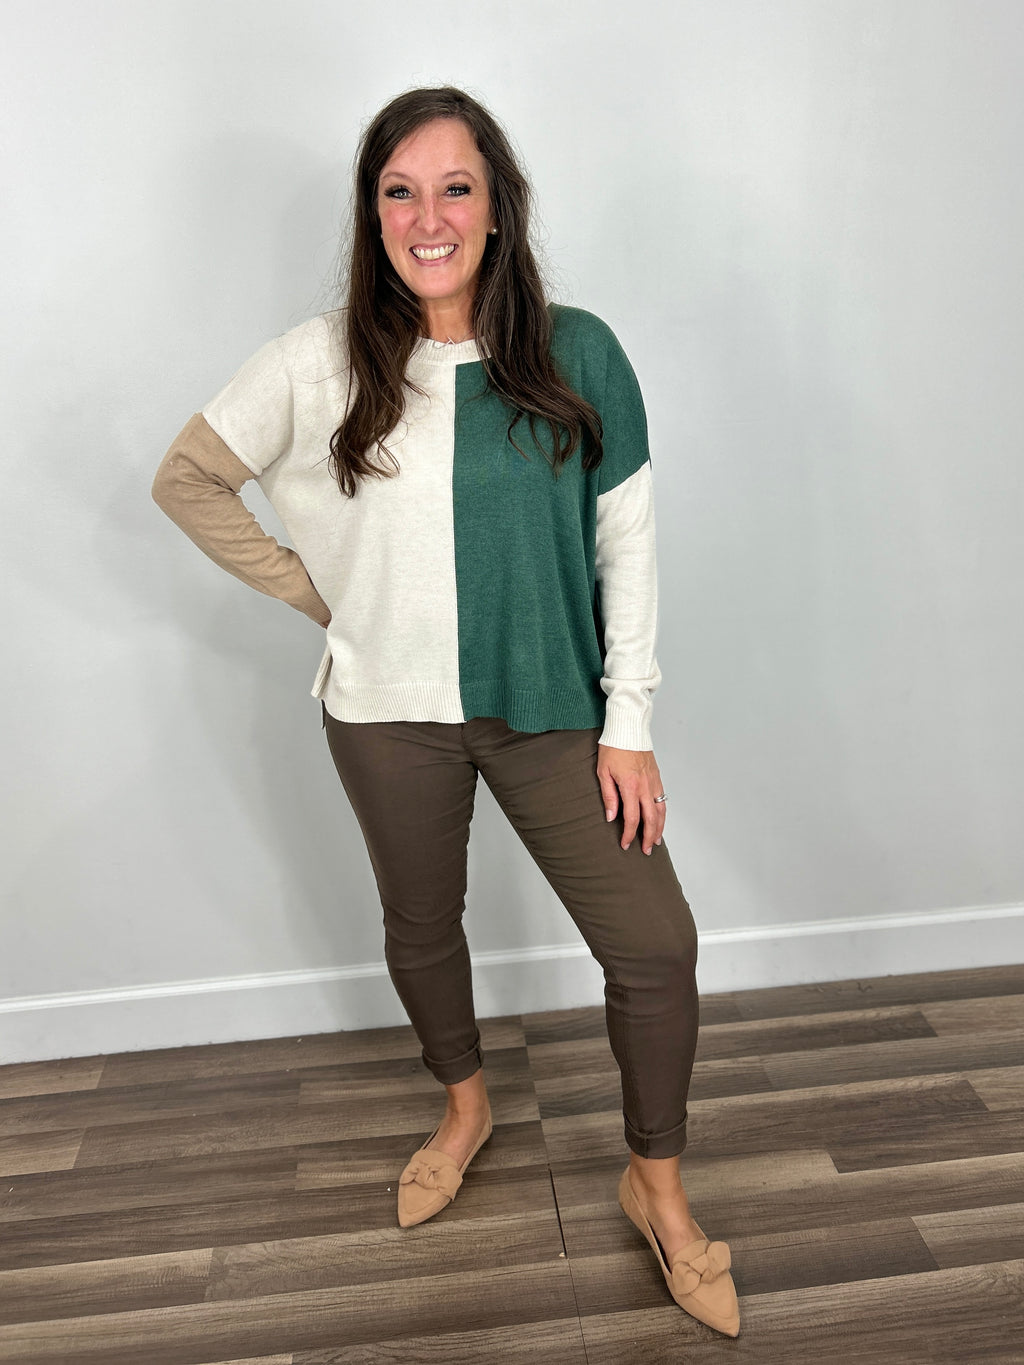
{"points": [[197, 486], [627, 580]]}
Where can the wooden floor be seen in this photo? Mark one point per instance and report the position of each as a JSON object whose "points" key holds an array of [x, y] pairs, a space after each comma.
{"points": [[859, 1145]]}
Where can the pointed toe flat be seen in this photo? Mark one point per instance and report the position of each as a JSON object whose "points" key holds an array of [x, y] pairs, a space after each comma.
{"points": [[698, 1278], [432, 1178]]}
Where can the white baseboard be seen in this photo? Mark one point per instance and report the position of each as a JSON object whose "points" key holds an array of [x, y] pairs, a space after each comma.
{"points": [[559, 976]]}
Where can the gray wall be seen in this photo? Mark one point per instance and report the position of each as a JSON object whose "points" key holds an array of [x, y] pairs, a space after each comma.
{"points": [[802, 217]]}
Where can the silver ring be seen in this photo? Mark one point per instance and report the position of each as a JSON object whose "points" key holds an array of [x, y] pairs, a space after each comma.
{"points": [[658, 799]]}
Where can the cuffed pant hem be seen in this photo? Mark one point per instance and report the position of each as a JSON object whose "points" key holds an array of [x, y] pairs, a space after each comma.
{"points": [[459, 1069], [657, 1145]]}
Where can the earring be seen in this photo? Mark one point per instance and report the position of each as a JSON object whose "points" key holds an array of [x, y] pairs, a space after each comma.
{"points": [[492, 232]]}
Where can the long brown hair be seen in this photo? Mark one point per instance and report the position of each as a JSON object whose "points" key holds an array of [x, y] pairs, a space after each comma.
{"points": [[511, 322]]}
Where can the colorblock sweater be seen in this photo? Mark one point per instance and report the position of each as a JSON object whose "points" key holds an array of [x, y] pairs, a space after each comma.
{"points": [[475, 581]]}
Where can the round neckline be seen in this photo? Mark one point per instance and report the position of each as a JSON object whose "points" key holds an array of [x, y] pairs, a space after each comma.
{"points": [[446, 352]]}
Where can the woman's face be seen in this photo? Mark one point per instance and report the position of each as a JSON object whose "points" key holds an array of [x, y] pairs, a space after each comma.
{"points": [[435, 213]]}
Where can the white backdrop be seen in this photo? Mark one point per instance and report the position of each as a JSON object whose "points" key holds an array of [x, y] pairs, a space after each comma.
{"points": [[804, 220]]}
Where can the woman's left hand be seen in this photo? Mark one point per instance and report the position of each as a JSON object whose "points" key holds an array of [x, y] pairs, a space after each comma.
{"points": [[630, 779]]}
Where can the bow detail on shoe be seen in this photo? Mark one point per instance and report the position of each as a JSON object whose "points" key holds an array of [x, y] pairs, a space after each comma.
{"points": [[433, 1171], [690, 1271]]}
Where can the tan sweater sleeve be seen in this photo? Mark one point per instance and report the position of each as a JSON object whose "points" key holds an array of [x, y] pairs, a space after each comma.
{"points": [[197, 486]]}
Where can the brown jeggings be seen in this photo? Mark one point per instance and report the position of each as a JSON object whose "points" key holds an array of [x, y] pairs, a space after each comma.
{"points": [[411, 785]]}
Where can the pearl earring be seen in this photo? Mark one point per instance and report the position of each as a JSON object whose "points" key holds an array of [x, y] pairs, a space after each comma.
{"points": [[492, 232]]}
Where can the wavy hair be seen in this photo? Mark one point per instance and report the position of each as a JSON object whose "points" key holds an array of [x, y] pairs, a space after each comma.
{"points": [[511, 323]]}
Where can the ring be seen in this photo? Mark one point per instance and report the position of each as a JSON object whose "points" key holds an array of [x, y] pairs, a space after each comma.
{"points": [[658, 799]]}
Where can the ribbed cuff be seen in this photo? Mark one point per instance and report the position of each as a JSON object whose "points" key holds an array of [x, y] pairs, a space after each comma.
{"points": [[306, 599], [626, 727]]}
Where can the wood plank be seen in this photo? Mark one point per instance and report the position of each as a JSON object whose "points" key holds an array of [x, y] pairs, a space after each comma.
{"points": [[718, 1009], [159, 1099], [565, 1026], [630, 1279], [624, 1274], [276, 1217], [452, 1246], [50, 1078], [253, 1127], [273, 1267], [577, 1091], [817, 1036], [729, 1211], [1000, 1087], [28, 1152], [909, 1057], [839, 1028], [288, 1359], [549, 1343], [146, 1103], [774, 1002], [278, 1054], [96, 1287], [574, 1025], [974, 1236], [552, 1061], [943, 1317], [623, 1282], [508, 1072], [366, 1159], [205, 1180], [775, 1121], [257, 1056], [840, 1254], [482, 1300], [730, 1076], [228, 1176], [590, 1188], [898, 1141], [984, 1015], [902, 1191]]}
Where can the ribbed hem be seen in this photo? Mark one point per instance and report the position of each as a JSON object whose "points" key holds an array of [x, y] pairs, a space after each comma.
{"points": [[656, 1145], [364, 704], [529, 710], [460, 1068], [534, 710]]}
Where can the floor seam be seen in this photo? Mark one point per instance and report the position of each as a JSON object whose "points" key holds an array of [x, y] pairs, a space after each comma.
{"points": [[568, 1261]]}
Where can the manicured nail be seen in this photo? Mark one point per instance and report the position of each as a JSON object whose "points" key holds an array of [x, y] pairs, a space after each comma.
{"points": [[609, 815]]}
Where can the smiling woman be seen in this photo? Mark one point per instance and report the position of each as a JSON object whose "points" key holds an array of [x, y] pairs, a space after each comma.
{"points": [[435, 226], [479, 546], [425, 153]]}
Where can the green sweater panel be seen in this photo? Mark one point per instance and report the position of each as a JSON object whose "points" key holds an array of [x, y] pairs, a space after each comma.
{"points": [[530, 633]]}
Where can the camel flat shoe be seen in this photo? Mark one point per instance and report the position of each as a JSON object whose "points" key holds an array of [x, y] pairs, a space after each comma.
{"points": [[432, 1179], [698, 1278]]}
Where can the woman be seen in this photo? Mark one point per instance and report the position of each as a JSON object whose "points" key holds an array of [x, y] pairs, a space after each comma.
{"points": [[464, 473]]}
